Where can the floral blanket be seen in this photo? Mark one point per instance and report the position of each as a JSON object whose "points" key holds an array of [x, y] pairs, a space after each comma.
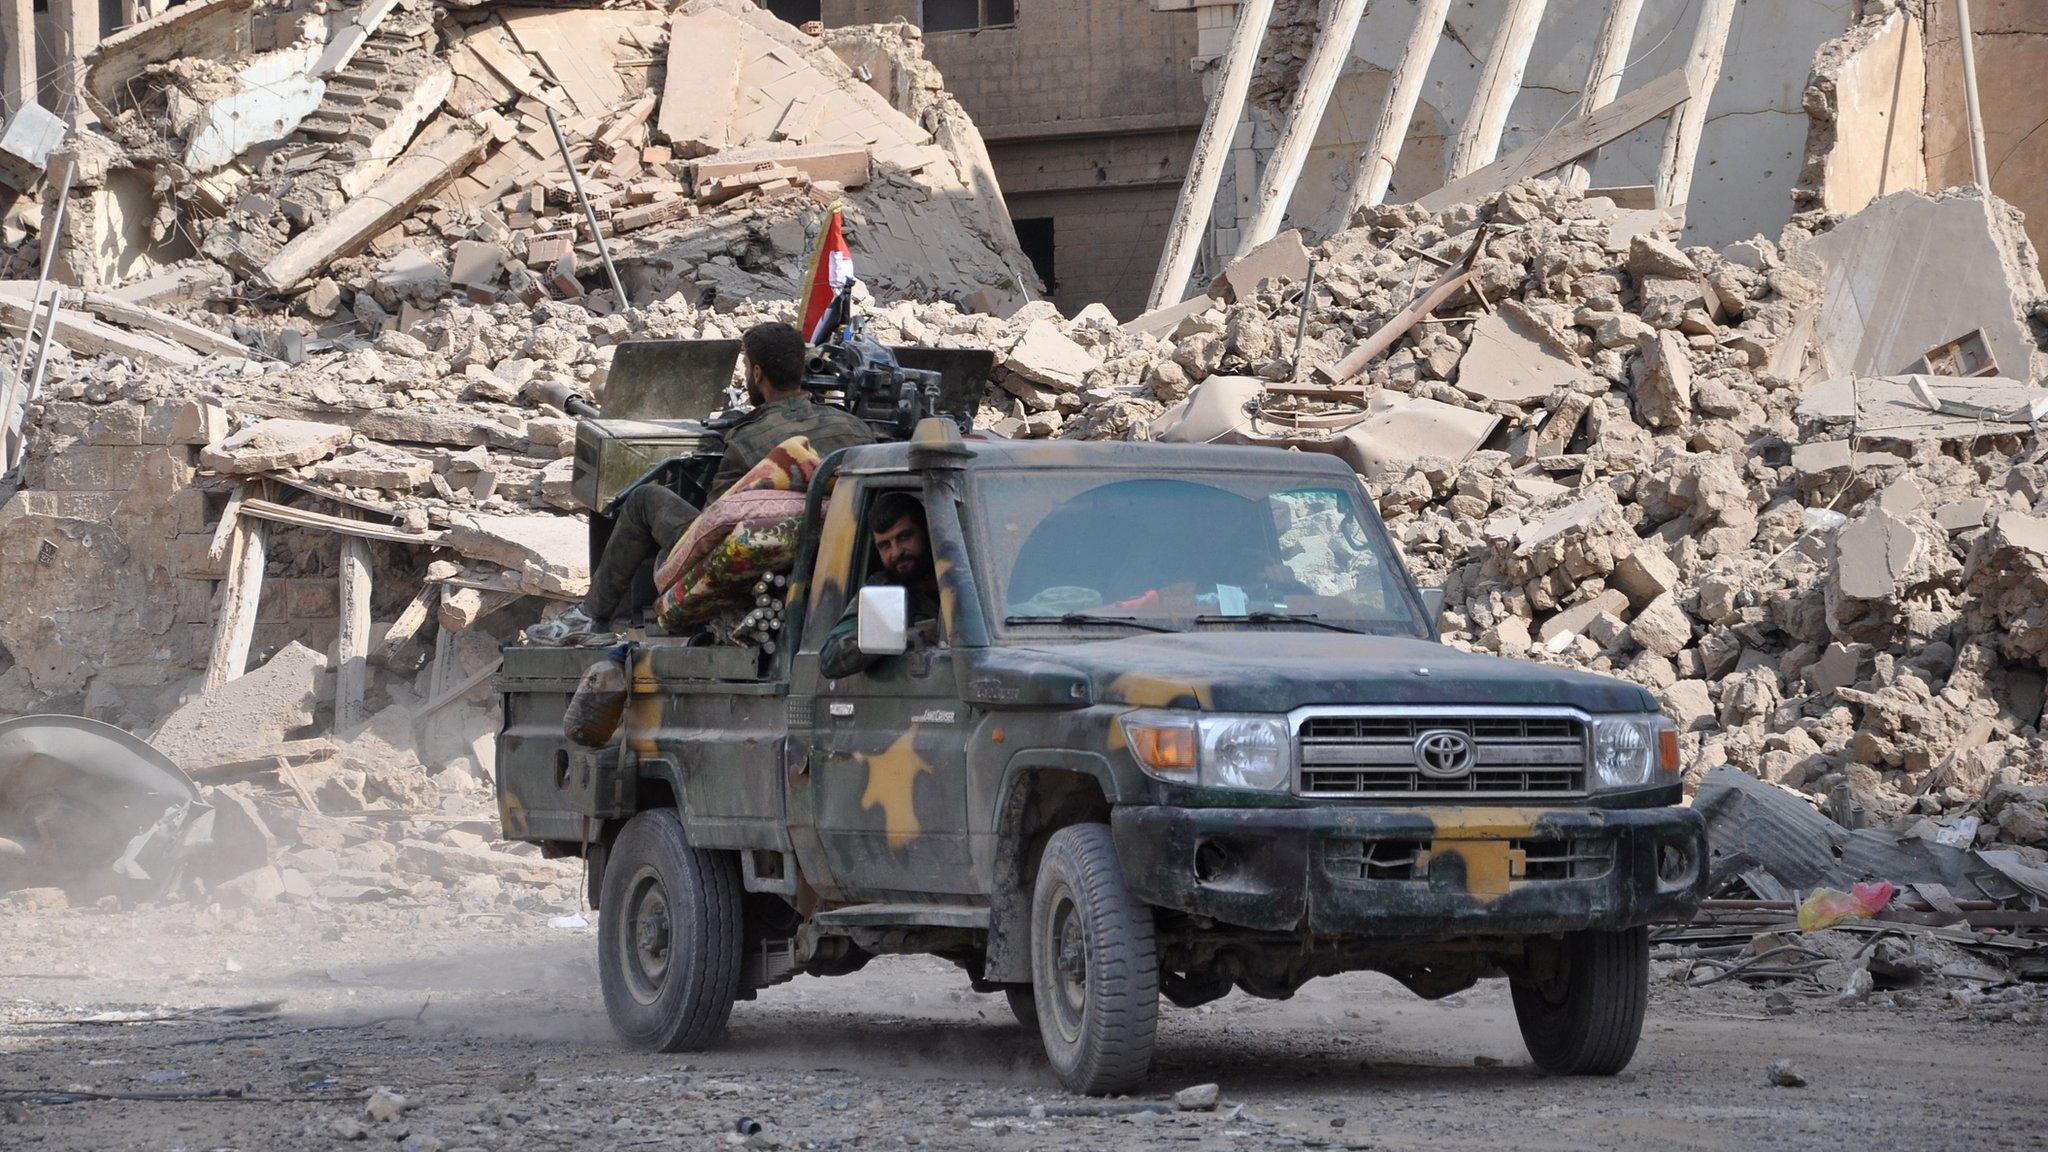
{"points": [[724, 579], [762, 496], [745, 534]]}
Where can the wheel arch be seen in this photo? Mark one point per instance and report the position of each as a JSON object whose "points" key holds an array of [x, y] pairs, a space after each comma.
{"points": [[1043, 791]]}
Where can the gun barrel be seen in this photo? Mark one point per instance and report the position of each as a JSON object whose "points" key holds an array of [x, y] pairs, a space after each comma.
{"points": [[568, 399]]}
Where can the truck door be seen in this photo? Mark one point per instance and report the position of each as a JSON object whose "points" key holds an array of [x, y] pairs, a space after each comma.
{"points": [[887, 772]]}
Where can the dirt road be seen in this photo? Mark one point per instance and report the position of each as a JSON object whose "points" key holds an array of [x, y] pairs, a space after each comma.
{"points": [[490, 1026]]}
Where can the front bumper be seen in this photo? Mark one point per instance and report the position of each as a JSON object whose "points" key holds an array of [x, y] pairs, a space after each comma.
{"points": [[1417, 872]]}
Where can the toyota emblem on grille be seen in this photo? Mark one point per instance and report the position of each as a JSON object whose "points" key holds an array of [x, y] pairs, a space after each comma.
{"points": [[1444, 754]]}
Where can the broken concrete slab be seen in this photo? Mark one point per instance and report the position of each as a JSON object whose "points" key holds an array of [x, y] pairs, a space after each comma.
{"points": [[252, 712], [1873, 554], [204, 341], [25, 146], [1043, 355], [1912, 271], [1645, 573], [1689, 703], [844, 165], [442, 151], [1840, 665], [272, 93], [85, 335], [271, 445], [1283, 258], [1662, 627], [1574, 619], [200, 30], [1160, 323], [1918, 408], [1507, 361], [1400, 430], [1663, 382], [376, 466], [699, 97], [477, 264], [550, 555]]}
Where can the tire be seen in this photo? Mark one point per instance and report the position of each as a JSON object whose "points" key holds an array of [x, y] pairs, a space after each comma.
{"points": [[1094, 965], [1023, 1005], [1585, 1017], [673, 994]]}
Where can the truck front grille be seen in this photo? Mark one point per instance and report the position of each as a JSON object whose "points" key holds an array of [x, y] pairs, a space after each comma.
{"points": [[1374, 755]]}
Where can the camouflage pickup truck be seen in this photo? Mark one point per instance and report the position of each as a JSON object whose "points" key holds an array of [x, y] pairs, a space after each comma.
{"points": [[1186, 728]]}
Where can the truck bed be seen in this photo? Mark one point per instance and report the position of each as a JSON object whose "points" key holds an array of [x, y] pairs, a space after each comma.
{"points": [[717, 729]]}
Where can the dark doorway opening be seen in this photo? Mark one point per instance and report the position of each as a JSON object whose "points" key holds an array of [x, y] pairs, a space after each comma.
{"points": [[797, 12], [1034, 235]]}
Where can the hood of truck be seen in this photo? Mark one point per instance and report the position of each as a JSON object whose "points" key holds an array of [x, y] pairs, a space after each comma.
{"points": [[1275, 670]]}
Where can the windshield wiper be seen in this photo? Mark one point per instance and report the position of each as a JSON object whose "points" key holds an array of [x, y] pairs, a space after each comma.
{"points": [[1090, 618], [1281, 618]]}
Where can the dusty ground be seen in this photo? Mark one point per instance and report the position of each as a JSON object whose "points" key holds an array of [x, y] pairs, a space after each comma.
{"points": [[490, 1024]]}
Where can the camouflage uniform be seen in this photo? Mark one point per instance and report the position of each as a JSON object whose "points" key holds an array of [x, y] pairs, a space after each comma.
{"points": [[841, 655], [652, 518]]}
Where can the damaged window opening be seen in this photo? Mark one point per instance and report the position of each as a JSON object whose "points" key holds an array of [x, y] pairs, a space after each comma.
{"points": [[968, 15]]}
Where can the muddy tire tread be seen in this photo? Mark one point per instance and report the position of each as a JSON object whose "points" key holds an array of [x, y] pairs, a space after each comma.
{"points": [[709, 884], [1123, 963], [1596, 1030]]}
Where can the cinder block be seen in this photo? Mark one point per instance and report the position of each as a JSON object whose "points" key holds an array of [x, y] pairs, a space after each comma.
{"points": [[190, 506], [118, 424], [195, 602], [188, 559], [92, 468], [313, 599]]}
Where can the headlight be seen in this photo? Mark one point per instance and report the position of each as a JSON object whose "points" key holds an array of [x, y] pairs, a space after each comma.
{"points": [[1215, 751], [1633, 752]]}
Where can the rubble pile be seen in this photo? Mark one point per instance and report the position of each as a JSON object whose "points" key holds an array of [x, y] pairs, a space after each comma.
{"points": [[400, 810], [1637, 460], [344, 320]]}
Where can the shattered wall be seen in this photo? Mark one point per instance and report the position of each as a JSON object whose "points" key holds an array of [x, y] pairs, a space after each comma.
{"points": [[1865, 105]]}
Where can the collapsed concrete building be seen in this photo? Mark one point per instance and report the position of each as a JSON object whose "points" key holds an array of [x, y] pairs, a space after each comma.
{"points": [[300, 465]]}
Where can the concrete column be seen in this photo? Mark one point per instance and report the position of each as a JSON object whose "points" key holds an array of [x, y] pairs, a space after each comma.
{"points": [[1376, 166], [1212, 148], [1603, 77], [78, 32], [17, 55], [1499, 82], [1682, 131], [1305, 115]]}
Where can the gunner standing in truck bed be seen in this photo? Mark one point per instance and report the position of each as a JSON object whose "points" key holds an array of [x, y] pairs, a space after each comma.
{"points": [[652, 518]]}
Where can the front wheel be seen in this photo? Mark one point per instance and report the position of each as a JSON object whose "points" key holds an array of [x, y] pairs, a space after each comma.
{"points": [[1582, 1000], [669, 936], [1094, 965], [1023, 1005]]}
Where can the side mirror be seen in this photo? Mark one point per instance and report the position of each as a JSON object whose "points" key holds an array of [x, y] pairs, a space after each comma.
{"points": [[1433, 604], [884, 621]]}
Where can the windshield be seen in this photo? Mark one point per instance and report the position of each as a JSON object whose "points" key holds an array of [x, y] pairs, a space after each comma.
{"points": [[1222, 550]]}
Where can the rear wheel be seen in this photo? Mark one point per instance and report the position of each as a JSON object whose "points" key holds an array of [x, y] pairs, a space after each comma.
{"points": [[669, 936], [1094, 965], [1581, 1002]]}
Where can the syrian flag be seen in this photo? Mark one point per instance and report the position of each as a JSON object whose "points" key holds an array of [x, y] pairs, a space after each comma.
{"points": [[831, 272]]}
